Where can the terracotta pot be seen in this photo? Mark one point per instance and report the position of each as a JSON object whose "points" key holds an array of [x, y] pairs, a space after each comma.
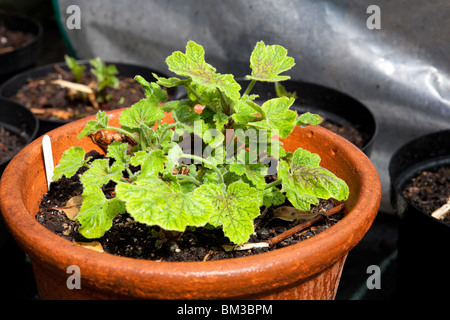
{"points": [[308, 270]]}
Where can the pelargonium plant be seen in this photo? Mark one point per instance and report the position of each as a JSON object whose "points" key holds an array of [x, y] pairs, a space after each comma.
{"points": [[210, 167]]}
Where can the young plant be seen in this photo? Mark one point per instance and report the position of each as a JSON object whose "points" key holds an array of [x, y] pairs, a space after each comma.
{"points": [[106, 77], [76, 69], [209, 167]]}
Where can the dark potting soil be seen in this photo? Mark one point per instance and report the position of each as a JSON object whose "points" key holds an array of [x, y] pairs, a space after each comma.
{"points": [[10, 144], [429, 190], [133, 239], [12, 39], [53, 102], [351, 133]]}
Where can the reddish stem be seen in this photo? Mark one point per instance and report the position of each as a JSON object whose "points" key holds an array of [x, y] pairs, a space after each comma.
{"points": [[297, 228]]}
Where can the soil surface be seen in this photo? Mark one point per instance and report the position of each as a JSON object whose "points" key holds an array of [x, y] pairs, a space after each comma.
{"points": [[350, 133], [133, 239], [429, 190], [54, 102], [10, 144], [12, 39]]}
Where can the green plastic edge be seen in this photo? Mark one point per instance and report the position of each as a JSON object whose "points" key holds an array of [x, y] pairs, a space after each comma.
{"points": [[64, 35]]}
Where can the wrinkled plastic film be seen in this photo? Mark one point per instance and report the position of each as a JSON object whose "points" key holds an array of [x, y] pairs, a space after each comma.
{"points": [[400, 71]]}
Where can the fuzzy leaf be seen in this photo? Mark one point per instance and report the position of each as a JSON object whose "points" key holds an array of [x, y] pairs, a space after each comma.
{"points": [[101, 173], [71, 160], [221, 120], [282, 92], [154, 202], [309, 119], [278, 116], [234, 208], [76, 69], [95, 125], [273, 197], [192, 64], [255, 172], [118, 151], [152, 89], [302, 157], [105, 74], [152, 164], [97, 212], [243, 113], [305, 181], [267, 62], [173, 156], [145, 111]]}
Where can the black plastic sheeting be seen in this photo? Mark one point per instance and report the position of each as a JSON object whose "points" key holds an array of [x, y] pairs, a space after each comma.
{"points": [[390, 55]]}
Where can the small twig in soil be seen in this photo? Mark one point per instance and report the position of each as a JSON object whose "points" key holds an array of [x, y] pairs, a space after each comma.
{"points": [[61, 70], [304, 225], [441, 212], [6, 49], [80, 88], [210, 252], [246, 246]]}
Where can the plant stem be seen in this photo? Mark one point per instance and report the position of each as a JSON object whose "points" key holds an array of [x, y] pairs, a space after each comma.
{"points": [[226, 107], [274, 183], [164, 132], [194, 157], [249, 88], [198, 97], [188, 178], [273, 241]]}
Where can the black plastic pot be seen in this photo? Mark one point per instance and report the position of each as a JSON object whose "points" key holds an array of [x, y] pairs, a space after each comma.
{"points": [[19, 120], [331, 104], [11, 86], [423, 241], [16, 272], [25, 56]]}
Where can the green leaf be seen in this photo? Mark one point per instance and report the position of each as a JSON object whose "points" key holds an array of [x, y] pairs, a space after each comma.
{"points": [[305, 181], [95, 125], [255, 172], [154, 202], [302, 157], [173, 156], [234, 208], [192, 64], [76, 69], [273, 197], [282, 92], [278, 116], [171, 82], [152, 164], [71, 160], [152, 89], [309, 119], [97, 213], [118, 151], [145, 111], [267, 62], [221, 120], [105, 74], [101, 173], [176, 104]]}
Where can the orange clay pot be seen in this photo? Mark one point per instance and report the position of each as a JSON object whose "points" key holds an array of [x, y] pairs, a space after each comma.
{"points": [[307, 270]]}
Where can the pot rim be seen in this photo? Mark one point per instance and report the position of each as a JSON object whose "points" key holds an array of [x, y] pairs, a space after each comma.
{"points": [[31, 21], [145, 278]]}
